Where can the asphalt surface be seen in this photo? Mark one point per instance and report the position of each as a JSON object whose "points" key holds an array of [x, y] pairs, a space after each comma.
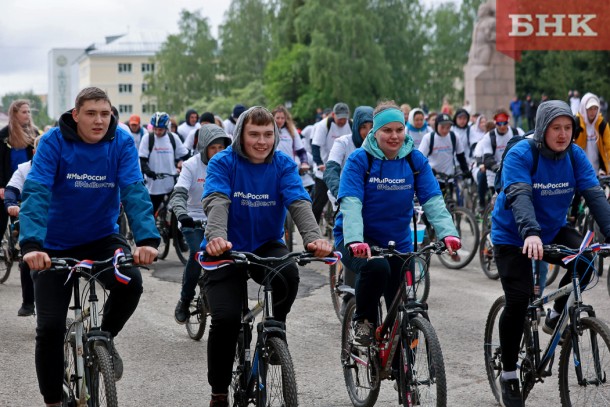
{"points": [[164, 367]]}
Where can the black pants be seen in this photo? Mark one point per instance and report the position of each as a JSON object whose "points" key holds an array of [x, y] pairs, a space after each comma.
{"points": [[3, 218], [27, 285], [156, 201], [53, 296], [224, 290], [515, 271], [320, 198]]}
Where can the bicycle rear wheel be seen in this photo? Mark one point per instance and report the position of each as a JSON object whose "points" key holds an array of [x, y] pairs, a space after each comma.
{"points": [[164, 231], [289, 232], [198, 314], [594, 347], [468, 230], [182, 248], [6, 256], [486, 256], [102, 388], [421, 377], [334, 276], [276, 382], [551, 275], [360, 367], [125, 230], [421, 268]]}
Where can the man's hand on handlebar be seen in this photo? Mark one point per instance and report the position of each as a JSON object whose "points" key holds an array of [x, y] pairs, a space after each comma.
{"points": [[218, 246], [37, 261], [320, 247]]}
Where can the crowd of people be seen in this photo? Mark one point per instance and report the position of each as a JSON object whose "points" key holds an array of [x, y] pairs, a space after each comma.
{"points": [[231, 184]]}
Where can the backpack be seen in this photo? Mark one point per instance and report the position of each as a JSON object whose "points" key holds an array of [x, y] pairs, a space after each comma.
{"points": [[535, 156], [151, 141], [494, 142], [453, 141], [601, 128]]}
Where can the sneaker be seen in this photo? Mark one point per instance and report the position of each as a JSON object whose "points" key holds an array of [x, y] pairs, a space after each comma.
{"points": [[219, 400], [117, 362], [181, 313], [362, 332], [26, 310], [511, 396], [550, 323]]}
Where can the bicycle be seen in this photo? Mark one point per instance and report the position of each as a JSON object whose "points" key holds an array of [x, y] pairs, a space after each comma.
{"points": [[267, 378], [289, 231], [584, 340], [9, 249], [125, 229], [198, 308], [89, 374], [405, 347], [167, 224]]}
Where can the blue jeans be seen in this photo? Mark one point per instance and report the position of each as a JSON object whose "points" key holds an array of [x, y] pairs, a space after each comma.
{"points": [[374, 278], [192, 270]]}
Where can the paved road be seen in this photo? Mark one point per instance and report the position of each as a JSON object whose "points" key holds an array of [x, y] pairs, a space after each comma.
{"points": [[163, 367]]}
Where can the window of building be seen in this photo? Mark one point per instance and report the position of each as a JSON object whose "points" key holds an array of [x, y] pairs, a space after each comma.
{"points": [[144, 87], [125, 88], [148, 67], [126, 109], [124, 68], [149, 108]]}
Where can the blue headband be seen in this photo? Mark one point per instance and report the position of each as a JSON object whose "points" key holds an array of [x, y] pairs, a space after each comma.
{"points": [[387, 116]]}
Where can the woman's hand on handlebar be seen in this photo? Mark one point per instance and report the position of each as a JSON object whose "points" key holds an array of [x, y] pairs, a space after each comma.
{"points": [[360, 250], [37, 261], [320, 247], [218, 246]]}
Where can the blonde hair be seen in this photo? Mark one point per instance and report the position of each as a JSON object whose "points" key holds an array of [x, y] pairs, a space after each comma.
{"points": [[20, 136], [292, 130], [384, 105], [37, 141]]}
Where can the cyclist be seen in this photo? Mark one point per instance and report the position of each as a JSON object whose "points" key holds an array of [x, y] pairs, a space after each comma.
{"points": [[160, 152], [86, 161], [417, 127], [290, 141], [529, 212], [186, 204], [462, 129], [344, 146], [248, 188], [191, 122], [376, 193], [593, 134], [192, 140], [136, 130]]}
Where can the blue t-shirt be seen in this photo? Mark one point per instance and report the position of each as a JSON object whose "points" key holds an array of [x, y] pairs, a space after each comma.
{"points": [[84, 180], [259, 194], [18, 156], [387, 197], [554, 184]]}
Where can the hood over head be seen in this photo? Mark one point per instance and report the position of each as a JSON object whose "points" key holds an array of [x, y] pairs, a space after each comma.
{"points": [[362, 114], [67, 125], [210, 134], [547, 112], [188, 113], [589, 99], [461, 112], [239, 127]]}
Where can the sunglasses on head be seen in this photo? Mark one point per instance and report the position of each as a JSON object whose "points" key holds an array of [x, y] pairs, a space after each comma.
{"points": [[501, 123]]}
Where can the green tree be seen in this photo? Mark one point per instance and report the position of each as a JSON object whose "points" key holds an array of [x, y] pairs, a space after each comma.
{"points": [[39, 110], [185, 66]]}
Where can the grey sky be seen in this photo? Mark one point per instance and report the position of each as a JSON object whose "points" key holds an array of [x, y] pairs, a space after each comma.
{"points": [[30, 28]]}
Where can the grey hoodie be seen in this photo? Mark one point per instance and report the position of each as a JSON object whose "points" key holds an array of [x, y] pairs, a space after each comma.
{"points": [[208, 134], [547, 112], [237, 134]]}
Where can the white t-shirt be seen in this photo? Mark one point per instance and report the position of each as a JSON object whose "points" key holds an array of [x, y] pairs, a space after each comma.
{"points": [[287, 144], [592, 149], [325, 138], [342, 149], [136, 137], [229, 127], [442, 157], [501, 142], [463, 136], [18, 178], [306, 134], [162, 161], [192, 178], [184, 129]]}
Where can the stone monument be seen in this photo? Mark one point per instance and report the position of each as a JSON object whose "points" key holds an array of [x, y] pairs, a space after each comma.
{"points": [[489, 76]]}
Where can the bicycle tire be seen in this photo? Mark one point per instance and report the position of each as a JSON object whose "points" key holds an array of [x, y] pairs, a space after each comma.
{"points": [[182, 248], [71, 393], [289, 232], [276, 382], [594, 336], [164, 231], [198, 315], [333, 273], [468, 230], [102, 388], [421, 378], [125, 230], [493, 352], [608, 280], [486, 256], [362, 383], [237, 389], [6, 256], [421, 268], [552, 274]]}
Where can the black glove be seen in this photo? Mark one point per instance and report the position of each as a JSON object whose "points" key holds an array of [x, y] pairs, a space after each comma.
{"points": [[151, 174], [467, 175], [186, 221]]}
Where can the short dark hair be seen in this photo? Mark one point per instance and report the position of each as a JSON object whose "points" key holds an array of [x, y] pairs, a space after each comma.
{"points": [[90, 93]]}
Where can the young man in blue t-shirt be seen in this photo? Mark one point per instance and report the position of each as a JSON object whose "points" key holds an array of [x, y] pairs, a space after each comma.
{"points": [[89, 162], [531, 212], [249, 187]]}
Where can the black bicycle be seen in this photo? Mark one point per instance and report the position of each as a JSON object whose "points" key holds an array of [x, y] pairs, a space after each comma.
{"points": [[9, 249], [405, 346], [89, 378], [167, 225], [267, 378], [584, 360]]}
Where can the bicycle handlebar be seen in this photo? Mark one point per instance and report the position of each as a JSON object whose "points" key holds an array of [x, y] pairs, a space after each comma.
{"points": [[236, 257], [556, 249], [435, 247], [120, 260]]}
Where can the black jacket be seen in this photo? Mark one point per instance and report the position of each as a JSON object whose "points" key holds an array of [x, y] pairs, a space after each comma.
{"points": [[6, 171]]}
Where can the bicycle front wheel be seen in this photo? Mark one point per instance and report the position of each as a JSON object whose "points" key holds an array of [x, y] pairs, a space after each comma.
{"points": [[102, 388], [182, 248], [421, 376], [277, 386], [466, 224], [486, 256], [593, 345], [164, 232], [198, 314], [71, 392], [6, 256], [360, 368]]}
